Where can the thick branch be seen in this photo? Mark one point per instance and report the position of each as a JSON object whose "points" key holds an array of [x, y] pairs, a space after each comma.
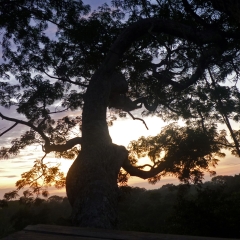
{"points": [[121, 101], [202, 64], [47, 147], [45, 138], [142, 27], [135, 171], [98, 92], [63, 147]]}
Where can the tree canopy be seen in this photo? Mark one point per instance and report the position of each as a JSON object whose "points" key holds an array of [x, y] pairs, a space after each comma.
{"points": [[179, 59]]}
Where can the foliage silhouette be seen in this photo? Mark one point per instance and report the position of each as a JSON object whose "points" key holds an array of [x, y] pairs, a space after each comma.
{"points": [[207, 209], [30, 211], [210, 212]]}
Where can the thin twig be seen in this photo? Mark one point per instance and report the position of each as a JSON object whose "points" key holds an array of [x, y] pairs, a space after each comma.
{"points": [[140, 119], [66, 80], [59, 111], [224, 115]]}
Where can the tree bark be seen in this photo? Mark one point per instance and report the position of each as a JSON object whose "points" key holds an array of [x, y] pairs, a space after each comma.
{"points": [[92, 186], [92, 179]]}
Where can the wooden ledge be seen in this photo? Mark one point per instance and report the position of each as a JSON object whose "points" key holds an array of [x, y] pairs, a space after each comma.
{"points": [[47, 232]]}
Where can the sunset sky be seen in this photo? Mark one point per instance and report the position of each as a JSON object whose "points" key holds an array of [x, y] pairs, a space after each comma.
{"points": [[122, 132]]}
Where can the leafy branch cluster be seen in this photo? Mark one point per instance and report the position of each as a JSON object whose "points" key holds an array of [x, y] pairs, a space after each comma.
{"points": [[38, 179]]}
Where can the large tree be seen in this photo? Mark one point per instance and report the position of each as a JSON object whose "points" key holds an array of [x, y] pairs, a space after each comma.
{"points": [[173, 58]]}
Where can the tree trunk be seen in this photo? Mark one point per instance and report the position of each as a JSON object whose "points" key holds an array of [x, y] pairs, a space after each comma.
{"points": [[92, 185], [92, 179]]}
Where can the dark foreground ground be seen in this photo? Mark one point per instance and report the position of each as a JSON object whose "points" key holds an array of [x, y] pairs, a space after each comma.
{"points": [[211, 209], [59, 232]]}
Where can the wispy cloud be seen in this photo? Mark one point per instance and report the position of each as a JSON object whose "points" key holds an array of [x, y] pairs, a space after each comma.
{"points": [[29, 154], [25, 167], [9, 176], [19, 161]]}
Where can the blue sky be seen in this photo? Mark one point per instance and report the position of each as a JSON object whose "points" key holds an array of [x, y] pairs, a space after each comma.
{"points": [[95, 3]]}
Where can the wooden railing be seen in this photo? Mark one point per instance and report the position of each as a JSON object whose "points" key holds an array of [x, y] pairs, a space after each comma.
{"points": [[47, 232]]}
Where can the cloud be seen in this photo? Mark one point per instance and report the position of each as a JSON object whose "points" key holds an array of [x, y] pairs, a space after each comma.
{"points": [[9, 176], [29, 154], [25, 167], [19, 161]]}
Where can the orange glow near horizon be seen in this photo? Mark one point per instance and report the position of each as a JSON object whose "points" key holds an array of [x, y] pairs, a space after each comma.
{"points": [[122, 132]]}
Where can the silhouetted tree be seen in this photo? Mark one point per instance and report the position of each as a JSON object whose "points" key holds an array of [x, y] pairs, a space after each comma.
{"points": [[175, 56]]}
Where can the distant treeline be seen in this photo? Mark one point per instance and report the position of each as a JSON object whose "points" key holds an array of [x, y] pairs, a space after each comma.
{"points": [[209, 209]]}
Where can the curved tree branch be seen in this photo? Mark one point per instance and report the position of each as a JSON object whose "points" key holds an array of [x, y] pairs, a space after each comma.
{"points": [[135, 171], [45, 138], [66, 80], [202, 64], [47, 147], [142, 27], [95, 105], [63, 147]]}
